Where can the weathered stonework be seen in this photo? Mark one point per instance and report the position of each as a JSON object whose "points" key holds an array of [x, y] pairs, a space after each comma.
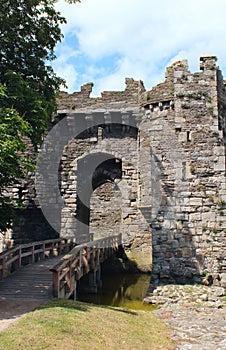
{"points": [[105, 211], [164, 187]]}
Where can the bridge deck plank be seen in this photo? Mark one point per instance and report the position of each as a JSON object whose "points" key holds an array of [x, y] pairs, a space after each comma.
{"points": [[31, 282]]}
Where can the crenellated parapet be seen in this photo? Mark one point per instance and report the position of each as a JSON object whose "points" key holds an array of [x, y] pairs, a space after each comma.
{"points": [[82, 99]]}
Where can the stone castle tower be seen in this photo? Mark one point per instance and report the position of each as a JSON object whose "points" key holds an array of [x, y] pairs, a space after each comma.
{"points": [[155, 160]]}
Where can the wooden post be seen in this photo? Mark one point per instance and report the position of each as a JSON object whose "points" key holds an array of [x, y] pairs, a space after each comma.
{"points": [[19, 258], [75, 290], [51, 250], [79, 262], [17, 263], [2, 269], [56, 284], [59, 247], [92, 282], [98, 277], [33, 254], [92, 259], [85, 260], [70, 276], [43, 251], [98, 257]]}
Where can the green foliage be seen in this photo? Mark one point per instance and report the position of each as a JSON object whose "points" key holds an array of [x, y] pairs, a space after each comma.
{"points": [[13, 162], [220, 202], [214, 230], [185, 106], [205, 272], [198, 95], [12, 130], [29, 32], [192, 169], [12, 127]]}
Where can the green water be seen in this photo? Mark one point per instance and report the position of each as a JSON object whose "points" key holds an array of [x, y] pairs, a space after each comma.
{"points": [[125, 290]]}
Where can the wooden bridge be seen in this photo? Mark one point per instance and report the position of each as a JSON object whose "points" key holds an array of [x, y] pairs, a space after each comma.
{"points": [[43, 269]]}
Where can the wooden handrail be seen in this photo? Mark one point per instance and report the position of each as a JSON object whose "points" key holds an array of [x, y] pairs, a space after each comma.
{"points": [[79, 261], [24, 254]]}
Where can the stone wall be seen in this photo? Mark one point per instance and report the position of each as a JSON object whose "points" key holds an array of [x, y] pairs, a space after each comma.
{"points": [[105, 211], [131, 95], [177, 167], [114, 205], [188, 146], [163, 186]]}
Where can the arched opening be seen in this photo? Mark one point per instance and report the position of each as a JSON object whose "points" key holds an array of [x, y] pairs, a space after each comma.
{"points": [[98, 196]]}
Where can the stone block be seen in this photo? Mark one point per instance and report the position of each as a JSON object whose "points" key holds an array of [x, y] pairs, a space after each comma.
{"points": [[196, 202], [182, 137], [223, 280], [178, 74], [220, 164], [194, 217], [157, 127], [187, 252]]}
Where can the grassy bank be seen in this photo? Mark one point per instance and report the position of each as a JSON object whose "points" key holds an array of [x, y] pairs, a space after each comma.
{"points": [[67, 325]]}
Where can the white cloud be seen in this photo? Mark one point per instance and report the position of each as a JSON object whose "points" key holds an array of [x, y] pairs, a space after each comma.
{"points": [[126, 68], [147, 35], [65, 53], [67, 72]]}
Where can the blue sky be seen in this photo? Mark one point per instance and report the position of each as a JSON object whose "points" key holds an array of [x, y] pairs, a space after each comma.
{"points": [[106, 41]]}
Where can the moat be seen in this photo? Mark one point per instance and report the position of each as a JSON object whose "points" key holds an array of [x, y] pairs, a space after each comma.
{"points": [[120, 289]]}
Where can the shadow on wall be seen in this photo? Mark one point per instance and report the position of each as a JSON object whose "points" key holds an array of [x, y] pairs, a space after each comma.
{"points": [[31, 225]]}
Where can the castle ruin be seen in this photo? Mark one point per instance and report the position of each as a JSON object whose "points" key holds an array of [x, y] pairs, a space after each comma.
{"points": [[160, 174]]}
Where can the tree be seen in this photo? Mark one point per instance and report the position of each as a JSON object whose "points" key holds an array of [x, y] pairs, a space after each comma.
{"points": [[13, 129], [29, 32]]}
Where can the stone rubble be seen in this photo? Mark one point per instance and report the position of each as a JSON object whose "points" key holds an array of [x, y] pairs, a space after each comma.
{"points": [[196, 314]]}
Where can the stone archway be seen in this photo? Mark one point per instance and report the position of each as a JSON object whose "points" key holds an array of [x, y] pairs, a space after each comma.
{"points": [[171, 142]]}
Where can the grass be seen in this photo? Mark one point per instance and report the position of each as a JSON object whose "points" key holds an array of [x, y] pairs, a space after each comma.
{"points": [[72, 325], [189, 291]]}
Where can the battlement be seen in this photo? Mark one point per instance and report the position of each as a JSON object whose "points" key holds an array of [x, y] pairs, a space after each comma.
{"points": [[82, 99], [178, 81]]}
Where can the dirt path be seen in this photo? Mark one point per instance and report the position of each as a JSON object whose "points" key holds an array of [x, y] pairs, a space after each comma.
{"points": [[12, 310], [25, 290]]}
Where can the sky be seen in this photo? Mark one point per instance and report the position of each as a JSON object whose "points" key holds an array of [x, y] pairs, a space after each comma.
{"points": [[106, 41]]}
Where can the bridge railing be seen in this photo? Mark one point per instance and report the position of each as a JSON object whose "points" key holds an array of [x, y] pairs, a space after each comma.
{"points": [[80, 260], [28, 253]]}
